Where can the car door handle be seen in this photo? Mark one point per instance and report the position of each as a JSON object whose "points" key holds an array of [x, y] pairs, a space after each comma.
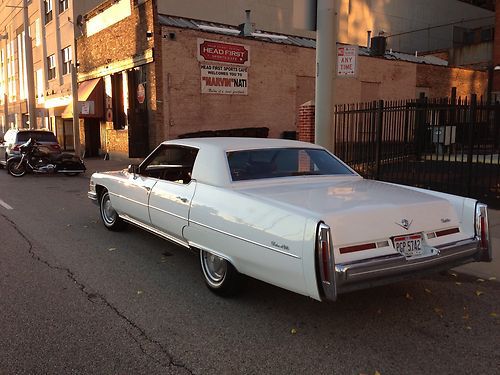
{"points": [[147, 188], [183, 200]]}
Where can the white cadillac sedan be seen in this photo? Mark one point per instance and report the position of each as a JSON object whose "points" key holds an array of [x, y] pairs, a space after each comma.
{"points": [[291, 214]]}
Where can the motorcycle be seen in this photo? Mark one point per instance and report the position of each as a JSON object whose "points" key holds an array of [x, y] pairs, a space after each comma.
{"points": [[37, 158]]}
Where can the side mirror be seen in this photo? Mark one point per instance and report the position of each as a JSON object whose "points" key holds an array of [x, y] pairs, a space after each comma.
{"points": [[133, 168]]}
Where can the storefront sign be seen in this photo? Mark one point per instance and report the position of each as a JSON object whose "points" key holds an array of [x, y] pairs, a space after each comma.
{"points": [[141, 93], [347, 61], [227, 53], [224, 79]]}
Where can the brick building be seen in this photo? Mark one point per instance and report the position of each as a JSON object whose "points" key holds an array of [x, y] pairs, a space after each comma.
{"points": [[160, 78]]}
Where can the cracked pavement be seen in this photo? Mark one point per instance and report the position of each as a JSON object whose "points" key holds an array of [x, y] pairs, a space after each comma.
{"points": [[78, 299]]}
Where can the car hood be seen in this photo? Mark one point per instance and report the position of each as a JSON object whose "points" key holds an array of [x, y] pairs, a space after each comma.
{"points": [[360, 210]]}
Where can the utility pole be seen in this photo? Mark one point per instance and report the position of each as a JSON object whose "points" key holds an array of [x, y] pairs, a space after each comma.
{"points": [[28, 54], [74, 89], [326, 68]]}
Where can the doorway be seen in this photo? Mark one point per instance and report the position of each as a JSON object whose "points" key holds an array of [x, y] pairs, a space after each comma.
{"points": [[92, 137]]}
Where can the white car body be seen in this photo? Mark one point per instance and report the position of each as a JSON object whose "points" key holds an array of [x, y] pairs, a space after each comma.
{"points": [[315, 235]]}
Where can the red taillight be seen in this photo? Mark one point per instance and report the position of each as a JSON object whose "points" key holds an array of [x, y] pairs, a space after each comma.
{"points": [[56, 147], [325, 262], [15, 148], [325, 255], [482, 232]]}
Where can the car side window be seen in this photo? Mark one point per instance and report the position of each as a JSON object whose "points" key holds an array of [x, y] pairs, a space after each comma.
{"points": [[170, 163]]}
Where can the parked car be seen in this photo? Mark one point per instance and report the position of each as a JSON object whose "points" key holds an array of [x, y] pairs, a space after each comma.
{"points": [[291, 214], [14, 138]]}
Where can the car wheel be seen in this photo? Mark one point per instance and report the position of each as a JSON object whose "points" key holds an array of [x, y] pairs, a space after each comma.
{"points": [[109, 216], [220, 275], [16, 169]]}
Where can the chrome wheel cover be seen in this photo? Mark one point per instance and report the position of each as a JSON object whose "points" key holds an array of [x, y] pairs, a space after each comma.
{"points": [[214, 268], [17, 169], [109, 214]]}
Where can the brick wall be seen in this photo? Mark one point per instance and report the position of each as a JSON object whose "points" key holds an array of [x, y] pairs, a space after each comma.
{"points": [[124, 41], [438, 81], [305, 126]]}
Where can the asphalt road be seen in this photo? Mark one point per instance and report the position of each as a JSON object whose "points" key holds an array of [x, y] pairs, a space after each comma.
{"points": [[78, 299]]}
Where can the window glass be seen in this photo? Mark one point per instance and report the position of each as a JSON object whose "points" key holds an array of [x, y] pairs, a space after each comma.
{"points": [[51, 67], [63, 5], [66, 60], [48, 10], [283, 162], [172, 163], [39, 136]]}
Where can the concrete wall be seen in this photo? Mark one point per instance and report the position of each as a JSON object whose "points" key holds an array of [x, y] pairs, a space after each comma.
{"points": [[356, 18]]}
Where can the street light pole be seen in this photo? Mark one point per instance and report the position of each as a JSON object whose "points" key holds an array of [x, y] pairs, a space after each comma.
{"points": [[28, 54], [326, 68]]}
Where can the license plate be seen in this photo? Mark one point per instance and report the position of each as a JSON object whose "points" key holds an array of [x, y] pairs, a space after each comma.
{"points": [[409, 246]]}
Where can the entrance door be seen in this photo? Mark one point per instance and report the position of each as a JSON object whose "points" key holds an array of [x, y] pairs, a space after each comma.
{"points": [[92, 137], [138, 136]]}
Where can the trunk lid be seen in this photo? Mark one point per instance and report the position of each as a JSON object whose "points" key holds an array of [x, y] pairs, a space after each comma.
{"points": [[361, 211]]}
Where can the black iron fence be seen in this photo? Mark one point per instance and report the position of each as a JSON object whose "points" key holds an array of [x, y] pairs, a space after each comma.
{"points": [[450, 145]]}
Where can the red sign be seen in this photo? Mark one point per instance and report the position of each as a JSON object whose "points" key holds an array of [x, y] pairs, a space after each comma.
{"points": [[223, 52], [141, 93]]}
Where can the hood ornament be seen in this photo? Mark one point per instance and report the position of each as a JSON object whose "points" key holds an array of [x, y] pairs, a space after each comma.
{"points": [[405, 224]]}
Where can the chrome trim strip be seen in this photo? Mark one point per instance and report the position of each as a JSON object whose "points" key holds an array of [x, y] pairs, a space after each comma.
{"points": [[72, 171], [169, 213], [390, 265], [155, 231], [245, 240], [128, 199], [92, 195]]}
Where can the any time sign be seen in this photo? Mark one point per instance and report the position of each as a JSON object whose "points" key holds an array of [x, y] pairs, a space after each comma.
{"points": [[347, 60]]}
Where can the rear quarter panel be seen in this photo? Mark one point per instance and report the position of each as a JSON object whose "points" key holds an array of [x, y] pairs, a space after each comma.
{"points": [[261, 240]]}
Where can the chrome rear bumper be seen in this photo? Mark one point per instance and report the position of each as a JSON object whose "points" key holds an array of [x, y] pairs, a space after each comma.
{"points": [[384, 270]]}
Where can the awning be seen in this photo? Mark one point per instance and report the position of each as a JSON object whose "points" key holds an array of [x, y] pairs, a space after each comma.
{"points": [[87, 92]]}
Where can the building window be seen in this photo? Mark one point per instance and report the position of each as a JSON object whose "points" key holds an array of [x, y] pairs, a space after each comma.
{"points": [[63, 5], [66, 60], [38, 32], [11, 71], [48, 11], [51, 67]]}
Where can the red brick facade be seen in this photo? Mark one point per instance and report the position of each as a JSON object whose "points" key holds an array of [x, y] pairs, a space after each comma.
{"points": [[305, 126]]}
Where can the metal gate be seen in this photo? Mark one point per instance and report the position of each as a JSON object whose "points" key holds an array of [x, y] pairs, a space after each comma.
{"points": [[450, 145]]}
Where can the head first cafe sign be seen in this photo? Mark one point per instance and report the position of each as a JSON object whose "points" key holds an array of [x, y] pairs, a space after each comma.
{"points": [[223, 67]]}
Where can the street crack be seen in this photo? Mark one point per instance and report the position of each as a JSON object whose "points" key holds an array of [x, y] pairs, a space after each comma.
{"points": [[141, 338]]}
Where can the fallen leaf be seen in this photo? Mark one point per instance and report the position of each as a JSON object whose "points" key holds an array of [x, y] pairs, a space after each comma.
{"points": [[480, 280], [112, 249], [492, 278], [479, 293], [68, 225], [453, 274], [140, 292], [494, 315], [438, 311], [409, 296], [458, 283], [465, 316], [293, 331], [85, 226], [468, 327], [377, 373], [428, 291]]}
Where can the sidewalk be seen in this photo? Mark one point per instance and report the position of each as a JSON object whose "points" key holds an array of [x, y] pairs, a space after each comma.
{"points": [[481, 270]]}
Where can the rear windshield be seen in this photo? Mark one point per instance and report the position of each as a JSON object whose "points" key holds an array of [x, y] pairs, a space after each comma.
{"points": [[283, 162], [39, 136]]}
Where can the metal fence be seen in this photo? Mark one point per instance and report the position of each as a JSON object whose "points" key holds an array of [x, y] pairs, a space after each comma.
{"points": [[450, 145]]}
